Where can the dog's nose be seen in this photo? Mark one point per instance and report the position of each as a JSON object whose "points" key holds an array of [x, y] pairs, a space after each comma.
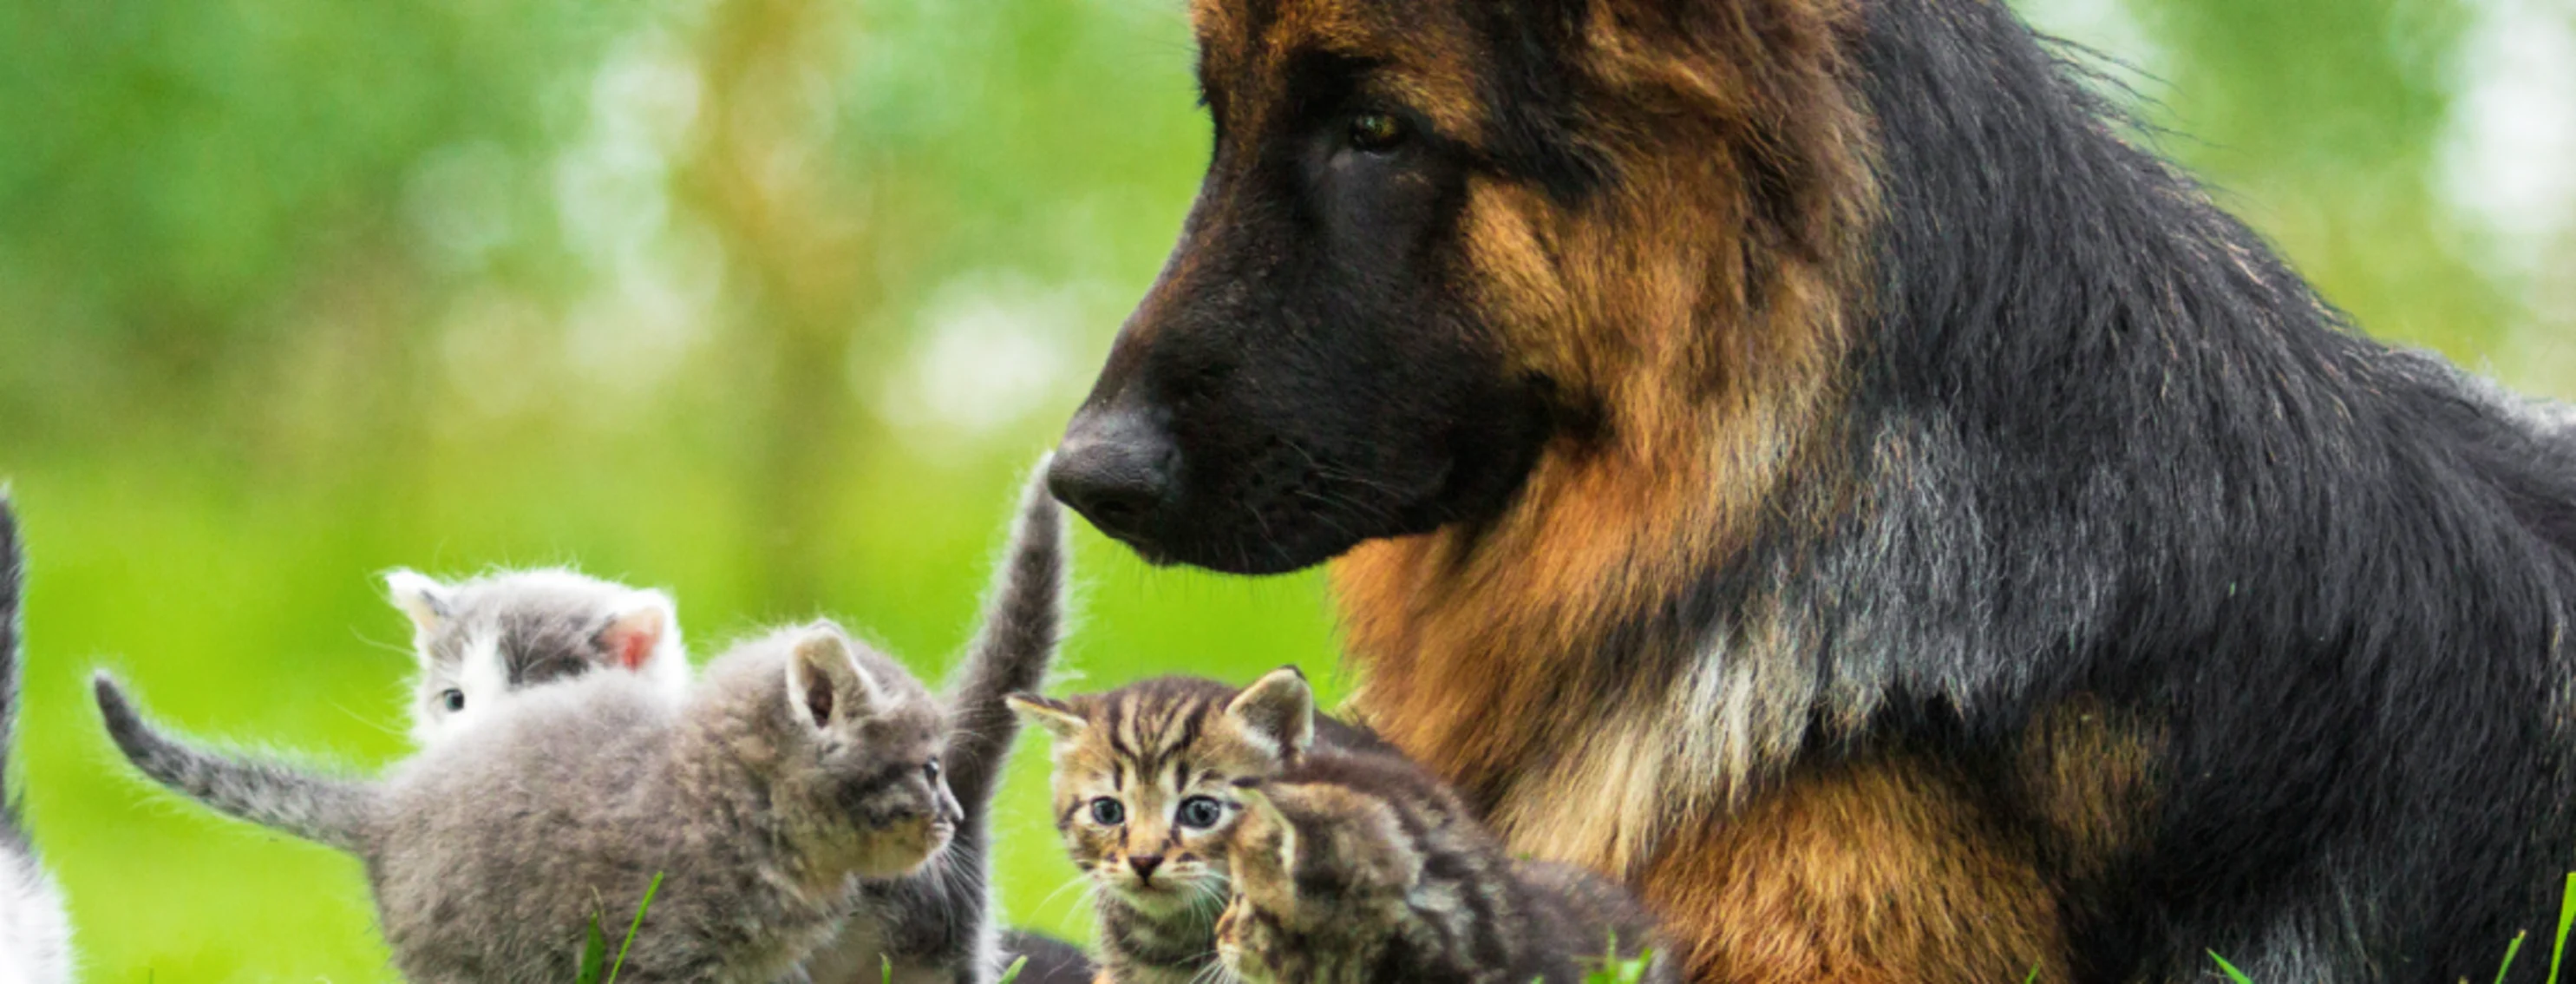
{"points": [[1115, 468], [1144, 865]]}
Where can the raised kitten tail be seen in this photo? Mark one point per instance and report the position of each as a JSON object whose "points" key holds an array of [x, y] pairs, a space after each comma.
{"points": [[1023, 623], [13, 586], [35, 934], [265, 792]]}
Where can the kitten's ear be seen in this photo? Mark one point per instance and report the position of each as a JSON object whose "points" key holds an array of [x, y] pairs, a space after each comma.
{"points": [[825, 681], [425, 600], [1277, 710], [1060, 719], [636, 631], [1257, 802]]}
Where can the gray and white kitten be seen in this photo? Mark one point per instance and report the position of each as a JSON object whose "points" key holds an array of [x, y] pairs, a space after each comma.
{"points": [[35, 935], [480, 640], [608, 781], [799, 765]]}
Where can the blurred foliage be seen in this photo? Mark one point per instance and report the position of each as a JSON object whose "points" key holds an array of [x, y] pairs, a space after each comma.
{"points": [[770, 302]]}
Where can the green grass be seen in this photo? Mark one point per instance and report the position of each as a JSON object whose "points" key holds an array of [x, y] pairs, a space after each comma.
{"points": [[2229, 969], [594, 948], [2557, 949]]}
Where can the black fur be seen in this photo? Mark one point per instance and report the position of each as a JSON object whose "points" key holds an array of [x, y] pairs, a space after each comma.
{"points": [[1366, 405], [2115, 448], [2340, 574]]}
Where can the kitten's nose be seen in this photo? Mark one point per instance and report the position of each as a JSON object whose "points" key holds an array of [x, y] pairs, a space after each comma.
{"points": [[1115, 468], [1144, 865]]}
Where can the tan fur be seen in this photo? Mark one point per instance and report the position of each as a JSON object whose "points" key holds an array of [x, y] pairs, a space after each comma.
{"points": [[2087, 771], [1694, 441], [1877, 872]]}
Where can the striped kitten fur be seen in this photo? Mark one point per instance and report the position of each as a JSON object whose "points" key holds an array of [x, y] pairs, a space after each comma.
{"points": [[1144, 796], [1359, 869]]}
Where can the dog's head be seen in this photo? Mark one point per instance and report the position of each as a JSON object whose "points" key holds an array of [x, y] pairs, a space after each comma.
{"points": [[1436, 239]]}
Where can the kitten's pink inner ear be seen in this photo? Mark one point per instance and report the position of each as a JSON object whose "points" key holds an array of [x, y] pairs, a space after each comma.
{"points": [[631, 639]]}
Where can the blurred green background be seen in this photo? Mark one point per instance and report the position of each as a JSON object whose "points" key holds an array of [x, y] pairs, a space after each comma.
{"points": [[771, 302]]}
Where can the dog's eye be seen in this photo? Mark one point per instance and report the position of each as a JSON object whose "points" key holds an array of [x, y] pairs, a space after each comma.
{"points": [[1108, 812], [452, 699], [1200, 812], [1377, 133], [930, 770]]}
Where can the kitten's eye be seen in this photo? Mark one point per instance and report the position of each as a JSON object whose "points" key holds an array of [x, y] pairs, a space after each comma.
{"points": [[1201, 812], [1377, 133], [1108, 812], [452, 699], [930, 770]]}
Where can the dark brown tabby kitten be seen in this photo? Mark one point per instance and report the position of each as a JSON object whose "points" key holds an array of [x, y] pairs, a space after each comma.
{"points": [[1359, 869], [1144, 795]]}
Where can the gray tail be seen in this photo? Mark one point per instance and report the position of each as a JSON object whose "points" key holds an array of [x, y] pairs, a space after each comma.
{"points": [[13, 594], [269, 793], [1023, 622]]}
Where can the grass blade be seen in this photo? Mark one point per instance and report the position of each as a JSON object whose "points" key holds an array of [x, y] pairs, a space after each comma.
{"points": [[1012, 972], [594, 953], [2566, 915], [2034, 975], [2229, 969], [2509, 950], [631, 927]]}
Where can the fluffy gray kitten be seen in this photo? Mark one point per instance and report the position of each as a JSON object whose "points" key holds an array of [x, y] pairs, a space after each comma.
{"points": [[937, 927], [35, 936], [782, 801], [479, 641], [801, 762]]}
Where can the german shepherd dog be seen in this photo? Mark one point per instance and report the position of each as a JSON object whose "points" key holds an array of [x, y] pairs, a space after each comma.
{"points": [[1801, 457]]}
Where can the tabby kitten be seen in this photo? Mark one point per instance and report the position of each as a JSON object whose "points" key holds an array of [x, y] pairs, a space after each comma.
{"points": [[1144, 796], [1357, 869]]}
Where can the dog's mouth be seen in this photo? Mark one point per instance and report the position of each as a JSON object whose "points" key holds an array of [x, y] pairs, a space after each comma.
{"points": [[1280, 508]]}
